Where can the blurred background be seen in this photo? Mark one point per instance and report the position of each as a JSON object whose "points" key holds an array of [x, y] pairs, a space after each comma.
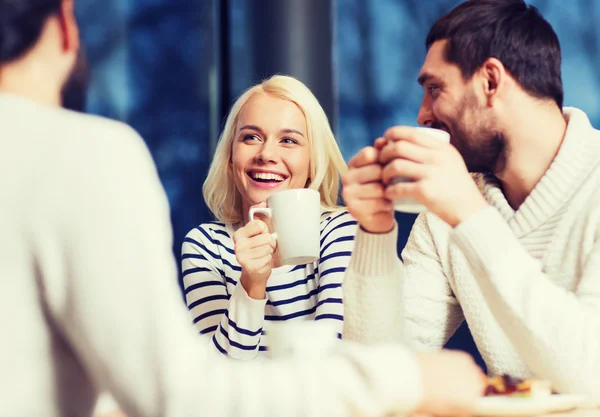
{"points": [[172, 68]]}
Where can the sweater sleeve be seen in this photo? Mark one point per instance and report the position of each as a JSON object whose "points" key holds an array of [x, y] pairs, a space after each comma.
{"points": [[109, 279], [373, 308], [387, 300], [337, 241], [547, 324], [233, 322], [432, 311]]}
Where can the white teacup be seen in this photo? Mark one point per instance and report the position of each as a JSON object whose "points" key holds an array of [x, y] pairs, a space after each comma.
{"points": [[410, 205], [296, 215]]}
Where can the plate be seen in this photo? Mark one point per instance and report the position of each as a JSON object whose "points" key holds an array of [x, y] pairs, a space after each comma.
{"points": [[522, 406]]}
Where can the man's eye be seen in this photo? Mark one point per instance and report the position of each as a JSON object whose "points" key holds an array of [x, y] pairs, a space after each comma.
{"points": [[433, 90]]}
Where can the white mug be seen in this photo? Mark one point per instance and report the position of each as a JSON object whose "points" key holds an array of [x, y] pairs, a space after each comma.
{"points": [[410, 205], [296, 216]]}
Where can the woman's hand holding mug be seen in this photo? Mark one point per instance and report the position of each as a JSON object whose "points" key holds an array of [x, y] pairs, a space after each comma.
{"points": [[254, 246]]}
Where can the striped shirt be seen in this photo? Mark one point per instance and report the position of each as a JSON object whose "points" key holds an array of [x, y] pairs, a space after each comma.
{"points": [[237, 324]]}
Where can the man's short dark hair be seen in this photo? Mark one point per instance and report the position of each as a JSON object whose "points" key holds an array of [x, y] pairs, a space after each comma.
{"points": [[21, 23], [511, 31]]}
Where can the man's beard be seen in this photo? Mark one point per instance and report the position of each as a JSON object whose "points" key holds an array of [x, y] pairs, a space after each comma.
{"points": [[483, 148], [483, 151], [74, 90]]}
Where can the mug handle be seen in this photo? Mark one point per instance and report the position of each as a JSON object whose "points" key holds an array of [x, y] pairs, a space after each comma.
{"points": [[266, 211]]}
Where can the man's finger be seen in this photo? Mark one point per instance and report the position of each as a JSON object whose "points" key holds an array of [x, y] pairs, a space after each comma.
{"points": [[364, 192], [362, 175], [380, 143], [404, 169], [374, 206], [366, 156], [414, 135], [401, 190], [407, 150]]}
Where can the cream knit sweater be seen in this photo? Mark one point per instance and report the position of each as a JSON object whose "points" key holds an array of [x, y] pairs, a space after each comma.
{"points": [[527, 282]]}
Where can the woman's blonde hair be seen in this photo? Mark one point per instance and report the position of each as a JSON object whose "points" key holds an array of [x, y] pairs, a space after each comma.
{"points": [[327, 164]]}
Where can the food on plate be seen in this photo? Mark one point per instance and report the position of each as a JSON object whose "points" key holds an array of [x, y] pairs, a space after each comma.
{"points": [[516, 387]]}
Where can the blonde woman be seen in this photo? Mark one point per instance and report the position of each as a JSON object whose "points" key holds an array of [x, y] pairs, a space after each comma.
{"points": [[276, 137]]}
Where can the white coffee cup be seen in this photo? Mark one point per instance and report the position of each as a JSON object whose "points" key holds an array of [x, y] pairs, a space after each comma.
{"points": [[296, 215], [307, 339], [410, 205]]}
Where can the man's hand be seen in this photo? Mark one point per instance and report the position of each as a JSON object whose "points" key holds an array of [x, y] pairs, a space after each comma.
{"points": [[364, 194], [451, 381], [441, 180]]}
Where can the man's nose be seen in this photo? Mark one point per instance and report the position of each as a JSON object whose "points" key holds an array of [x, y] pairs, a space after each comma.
{"points": [[425, 116]]}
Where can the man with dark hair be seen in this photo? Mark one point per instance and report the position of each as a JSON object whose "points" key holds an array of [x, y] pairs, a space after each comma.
{"points": [[531, 53], [89, 295], [510, 242]]}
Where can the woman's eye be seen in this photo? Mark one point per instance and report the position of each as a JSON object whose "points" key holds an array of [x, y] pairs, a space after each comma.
{"points": [[289, 141]]}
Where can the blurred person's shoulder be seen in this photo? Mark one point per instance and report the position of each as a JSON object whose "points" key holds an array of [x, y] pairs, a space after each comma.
{"points": [[92, 133], [62, 135], [101, 148], [62, 164]]}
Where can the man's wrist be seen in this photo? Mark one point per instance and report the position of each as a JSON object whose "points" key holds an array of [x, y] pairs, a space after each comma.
{"points": [[467, 211], [377, 232], [380, 228]]}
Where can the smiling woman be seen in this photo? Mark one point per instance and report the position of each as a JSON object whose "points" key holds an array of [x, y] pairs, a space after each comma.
{"points": [[276, 137], [271, 151]]}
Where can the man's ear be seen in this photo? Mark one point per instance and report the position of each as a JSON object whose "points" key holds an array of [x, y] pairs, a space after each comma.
{"points": [[68, 25], [494, 79]]}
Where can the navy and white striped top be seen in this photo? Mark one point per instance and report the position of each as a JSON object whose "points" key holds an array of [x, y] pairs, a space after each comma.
{"points": [[237, 324]]}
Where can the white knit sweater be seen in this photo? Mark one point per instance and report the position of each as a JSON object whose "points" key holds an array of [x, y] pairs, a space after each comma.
{"points": [[527, 282], [89, 299]]}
